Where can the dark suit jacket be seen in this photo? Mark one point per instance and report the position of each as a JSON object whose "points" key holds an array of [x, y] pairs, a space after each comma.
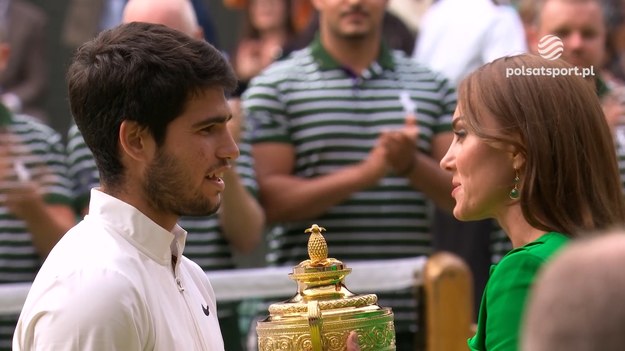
{"points": [[26, 74]]}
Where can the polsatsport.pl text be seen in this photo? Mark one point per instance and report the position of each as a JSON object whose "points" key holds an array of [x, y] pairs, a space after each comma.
{"points": [[550, 71]]}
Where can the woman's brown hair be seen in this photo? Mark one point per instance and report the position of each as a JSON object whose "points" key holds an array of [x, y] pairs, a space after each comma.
{"points": [[570, 180]]}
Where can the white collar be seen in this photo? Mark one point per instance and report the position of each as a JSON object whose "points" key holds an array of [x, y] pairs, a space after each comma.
{"points": [[143, 233]]}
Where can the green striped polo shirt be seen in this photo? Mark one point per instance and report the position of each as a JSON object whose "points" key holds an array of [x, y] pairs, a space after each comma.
{"points": [[39, 149], [332, 118]]}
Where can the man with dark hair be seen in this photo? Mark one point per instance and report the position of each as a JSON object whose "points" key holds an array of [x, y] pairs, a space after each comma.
{"points": [[212, 240], [151, 104]]}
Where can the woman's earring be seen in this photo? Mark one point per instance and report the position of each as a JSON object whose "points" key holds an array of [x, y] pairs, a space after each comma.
{"points": [[514, 193]]}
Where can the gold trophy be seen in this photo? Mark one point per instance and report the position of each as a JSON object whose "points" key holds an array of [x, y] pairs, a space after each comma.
{"points": [[323, 312]]}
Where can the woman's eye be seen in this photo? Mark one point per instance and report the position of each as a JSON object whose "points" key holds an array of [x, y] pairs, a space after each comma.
{"points": [[460, 133]]}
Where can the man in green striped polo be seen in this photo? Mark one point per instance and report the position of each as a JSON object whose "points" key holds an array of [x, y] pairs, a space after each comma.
{"points": [[348, 134]]}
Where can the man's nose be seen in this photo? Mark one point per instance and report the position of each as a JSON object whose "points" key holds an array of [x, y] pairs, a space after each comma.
{"points": [[574, 41]]}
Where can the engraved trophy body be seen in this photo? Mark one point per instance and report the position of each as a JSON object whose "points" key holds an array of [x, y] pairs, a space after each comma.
{"points": [[323, 311]]}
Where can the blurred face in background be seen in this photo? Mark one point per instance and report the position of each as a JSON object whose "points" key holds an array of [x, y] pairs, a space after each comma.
{"points": [[581, 27], [267, 15], [351, 19]]}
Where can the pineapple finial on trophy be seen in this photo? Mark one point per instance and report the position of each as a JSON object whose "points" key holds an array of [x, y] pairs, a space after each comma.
{"points": [[317, 246]]}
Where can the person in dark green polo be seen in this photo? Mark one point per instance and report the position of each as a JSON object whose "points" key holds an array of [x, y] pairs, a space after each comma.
{"points": [[534, 152]]}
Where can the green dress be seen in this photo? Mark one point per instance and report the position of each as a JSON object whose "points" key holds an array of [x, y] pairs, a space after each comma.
{"points": [[503, 302]]}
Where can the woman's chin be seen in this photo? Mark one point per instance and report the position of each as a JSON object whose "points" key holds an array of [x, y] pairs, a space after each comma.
{"points": [[462, 215]]}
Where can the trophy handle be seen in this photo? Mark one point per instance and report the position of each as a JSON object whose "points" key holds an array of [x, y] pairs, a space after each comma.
{"points": [[315, 322]]}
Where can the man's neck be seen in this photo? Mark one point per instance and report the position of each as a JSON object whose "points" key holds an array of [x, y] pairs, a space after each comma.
{"points": [[357, 55]]}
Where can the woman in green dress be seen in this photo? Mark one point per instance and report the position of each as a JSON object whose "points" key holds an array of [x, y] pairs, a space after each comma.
{"points": [[532, 150]]}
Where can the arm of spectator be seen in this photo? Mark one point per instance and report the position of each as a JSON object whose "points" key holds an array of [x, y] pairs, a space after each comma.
{"points": [[46, 223], [242, 219], [38, 189], [425, 174], [422, 170], [287, 197], [241, 216]]}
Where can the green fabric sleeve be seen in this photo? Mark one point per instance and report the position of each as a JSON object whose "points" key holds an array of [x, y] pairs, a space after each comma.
{"points": [[506, 296]]}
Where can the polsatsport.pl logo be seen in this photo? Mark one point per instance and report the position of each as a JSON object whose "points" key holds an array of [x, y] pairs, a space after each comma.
{"points": [[550, 47]]}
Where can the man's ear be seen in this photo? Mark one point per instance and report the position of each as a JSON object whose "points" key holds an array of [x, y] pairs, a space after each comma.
{"points": [[531, 36], [135, 141]]}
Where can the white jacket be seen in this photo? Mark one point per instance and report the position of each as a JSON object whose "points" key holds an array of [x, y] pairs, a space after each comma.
{"points": [[109, 285]]}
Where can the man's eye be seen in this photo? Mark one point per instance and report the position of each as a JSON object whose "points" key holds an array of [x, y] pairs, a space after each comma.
{"points": [[208, 129]]}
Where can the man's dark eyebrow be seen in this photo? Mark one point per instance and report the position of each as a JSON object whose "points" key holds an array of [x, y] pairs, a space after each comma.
{"points": [[212, 120]]}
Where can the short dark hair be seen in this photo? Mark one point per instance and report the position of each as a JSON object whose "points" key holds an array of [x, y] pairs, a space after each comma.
{"points": [[140, 72], [570, 182]]}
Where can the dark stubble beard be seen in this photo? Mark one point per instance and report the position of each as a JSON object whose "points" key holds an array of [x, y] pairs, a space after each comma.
{"points": [[353, 37], [167, 190]]}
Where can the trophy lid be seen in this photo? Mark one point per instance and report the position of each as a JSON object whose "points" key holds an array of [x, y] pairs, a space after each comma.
{"points": [[321, 279]]}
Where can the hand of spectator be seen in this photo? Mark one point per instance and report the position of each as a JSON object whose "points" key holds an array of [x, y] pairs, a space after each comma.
{"points": [[22, 198], [375, 166], [400, 146]]}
